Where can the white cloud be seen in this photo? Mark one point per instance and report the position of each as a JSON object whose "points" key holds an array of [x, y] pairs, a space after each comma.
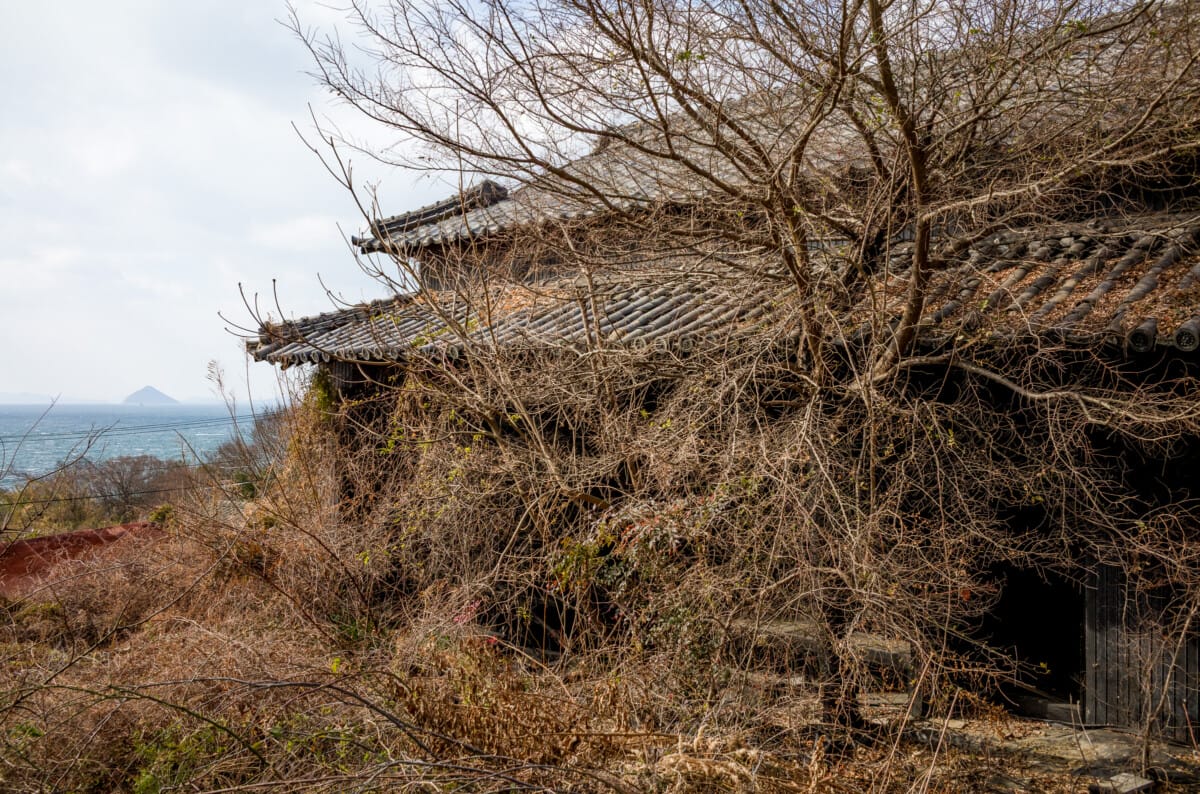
{"points": [[44, 268], [16, 171], [148, 166], [298, 234], [101, 153]]}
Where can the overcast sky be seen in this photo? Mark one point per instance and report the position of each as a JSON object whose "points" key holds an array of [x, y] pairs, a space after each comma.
{"points": [[147, 166]]}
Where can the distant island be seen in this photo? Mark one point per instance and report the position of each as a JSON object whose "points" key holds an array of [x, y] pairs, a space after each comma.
{"points": [[148, 395]]}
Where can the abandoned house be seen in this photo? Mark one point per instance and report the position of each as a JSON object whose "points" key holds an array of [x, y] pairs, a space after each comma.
{"points": [[544, 267]]}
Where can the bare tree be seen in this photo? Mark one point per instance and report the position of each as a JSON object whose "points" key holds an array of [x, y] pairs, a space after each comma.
{"points": [[567, 565], [869, 122], [848, 153]]}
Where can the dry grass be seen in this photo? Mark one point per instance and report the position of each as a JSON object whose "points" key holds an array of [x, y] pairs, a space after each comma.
{"points": [[539, 596]]}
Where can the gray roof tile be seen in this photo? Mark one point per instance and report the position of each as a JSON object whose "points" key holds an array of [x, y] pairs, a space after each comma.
{"points": [[1075, 281], [633, 312], [627, 174]]}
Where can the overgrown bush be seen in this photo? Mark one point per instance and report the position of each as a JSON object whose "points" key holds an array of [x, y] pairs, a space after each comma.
{"points": [[550, 584], [94, 494]]}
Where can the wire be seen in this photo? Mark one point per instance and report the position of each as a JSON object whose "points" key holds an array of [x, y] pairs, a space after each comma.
{"points": [[117, 430], [56, 499], [17, 482], [13, 478]]}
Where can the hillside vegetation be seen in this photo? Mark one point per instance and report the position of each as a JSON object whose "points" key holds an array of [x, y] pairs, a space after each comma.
{"points": [[561, 587], [743, 559]]}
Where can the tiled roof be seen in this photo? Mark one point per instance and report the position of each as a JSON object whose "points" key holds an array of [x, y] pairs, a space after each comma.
{"points": [[641, 165], [629, 182], [636, 312], [1133, 281], [639, 170], [682, 156], [485, 194]]}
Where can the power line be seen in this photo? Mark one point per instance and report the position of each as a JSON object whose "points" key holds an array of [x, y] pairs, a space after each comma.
{"points": [[57, 499], [116, 429], [166, 466], [15, 479], [18, 481]]}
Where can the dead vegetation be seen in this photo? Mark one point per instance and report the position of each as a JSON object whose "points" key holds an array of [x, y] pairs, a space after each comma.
{"points": [[572, 582], [608, 567]]}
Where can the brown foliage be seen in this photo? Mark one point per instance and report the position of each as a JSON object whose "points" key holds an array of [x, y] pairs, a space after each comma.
{"points": [[562, 569], [471, 617]]}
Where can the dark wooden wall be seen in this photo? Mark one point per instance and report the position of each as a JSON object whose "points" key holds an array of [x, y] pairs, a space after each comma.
{"points": [[1133, 670]]}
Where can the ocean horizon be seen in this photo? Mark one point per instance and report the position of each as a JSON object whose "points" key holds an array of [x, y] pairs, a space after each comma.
{"points": [[37, 439]]}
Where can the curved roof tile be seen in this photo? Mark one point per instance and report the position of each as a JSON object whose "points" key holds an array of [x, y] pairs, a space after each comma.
{"points": [[1096, 282]]}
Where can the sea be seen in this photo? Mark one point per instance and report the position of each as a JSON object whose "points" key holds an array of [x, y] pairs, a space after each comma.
{"points": [[36, 439]]}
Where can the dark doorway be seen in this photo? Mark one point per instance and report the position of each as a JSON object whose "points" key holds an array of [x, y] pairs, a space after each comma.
{"points": [[1039, 622]]}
